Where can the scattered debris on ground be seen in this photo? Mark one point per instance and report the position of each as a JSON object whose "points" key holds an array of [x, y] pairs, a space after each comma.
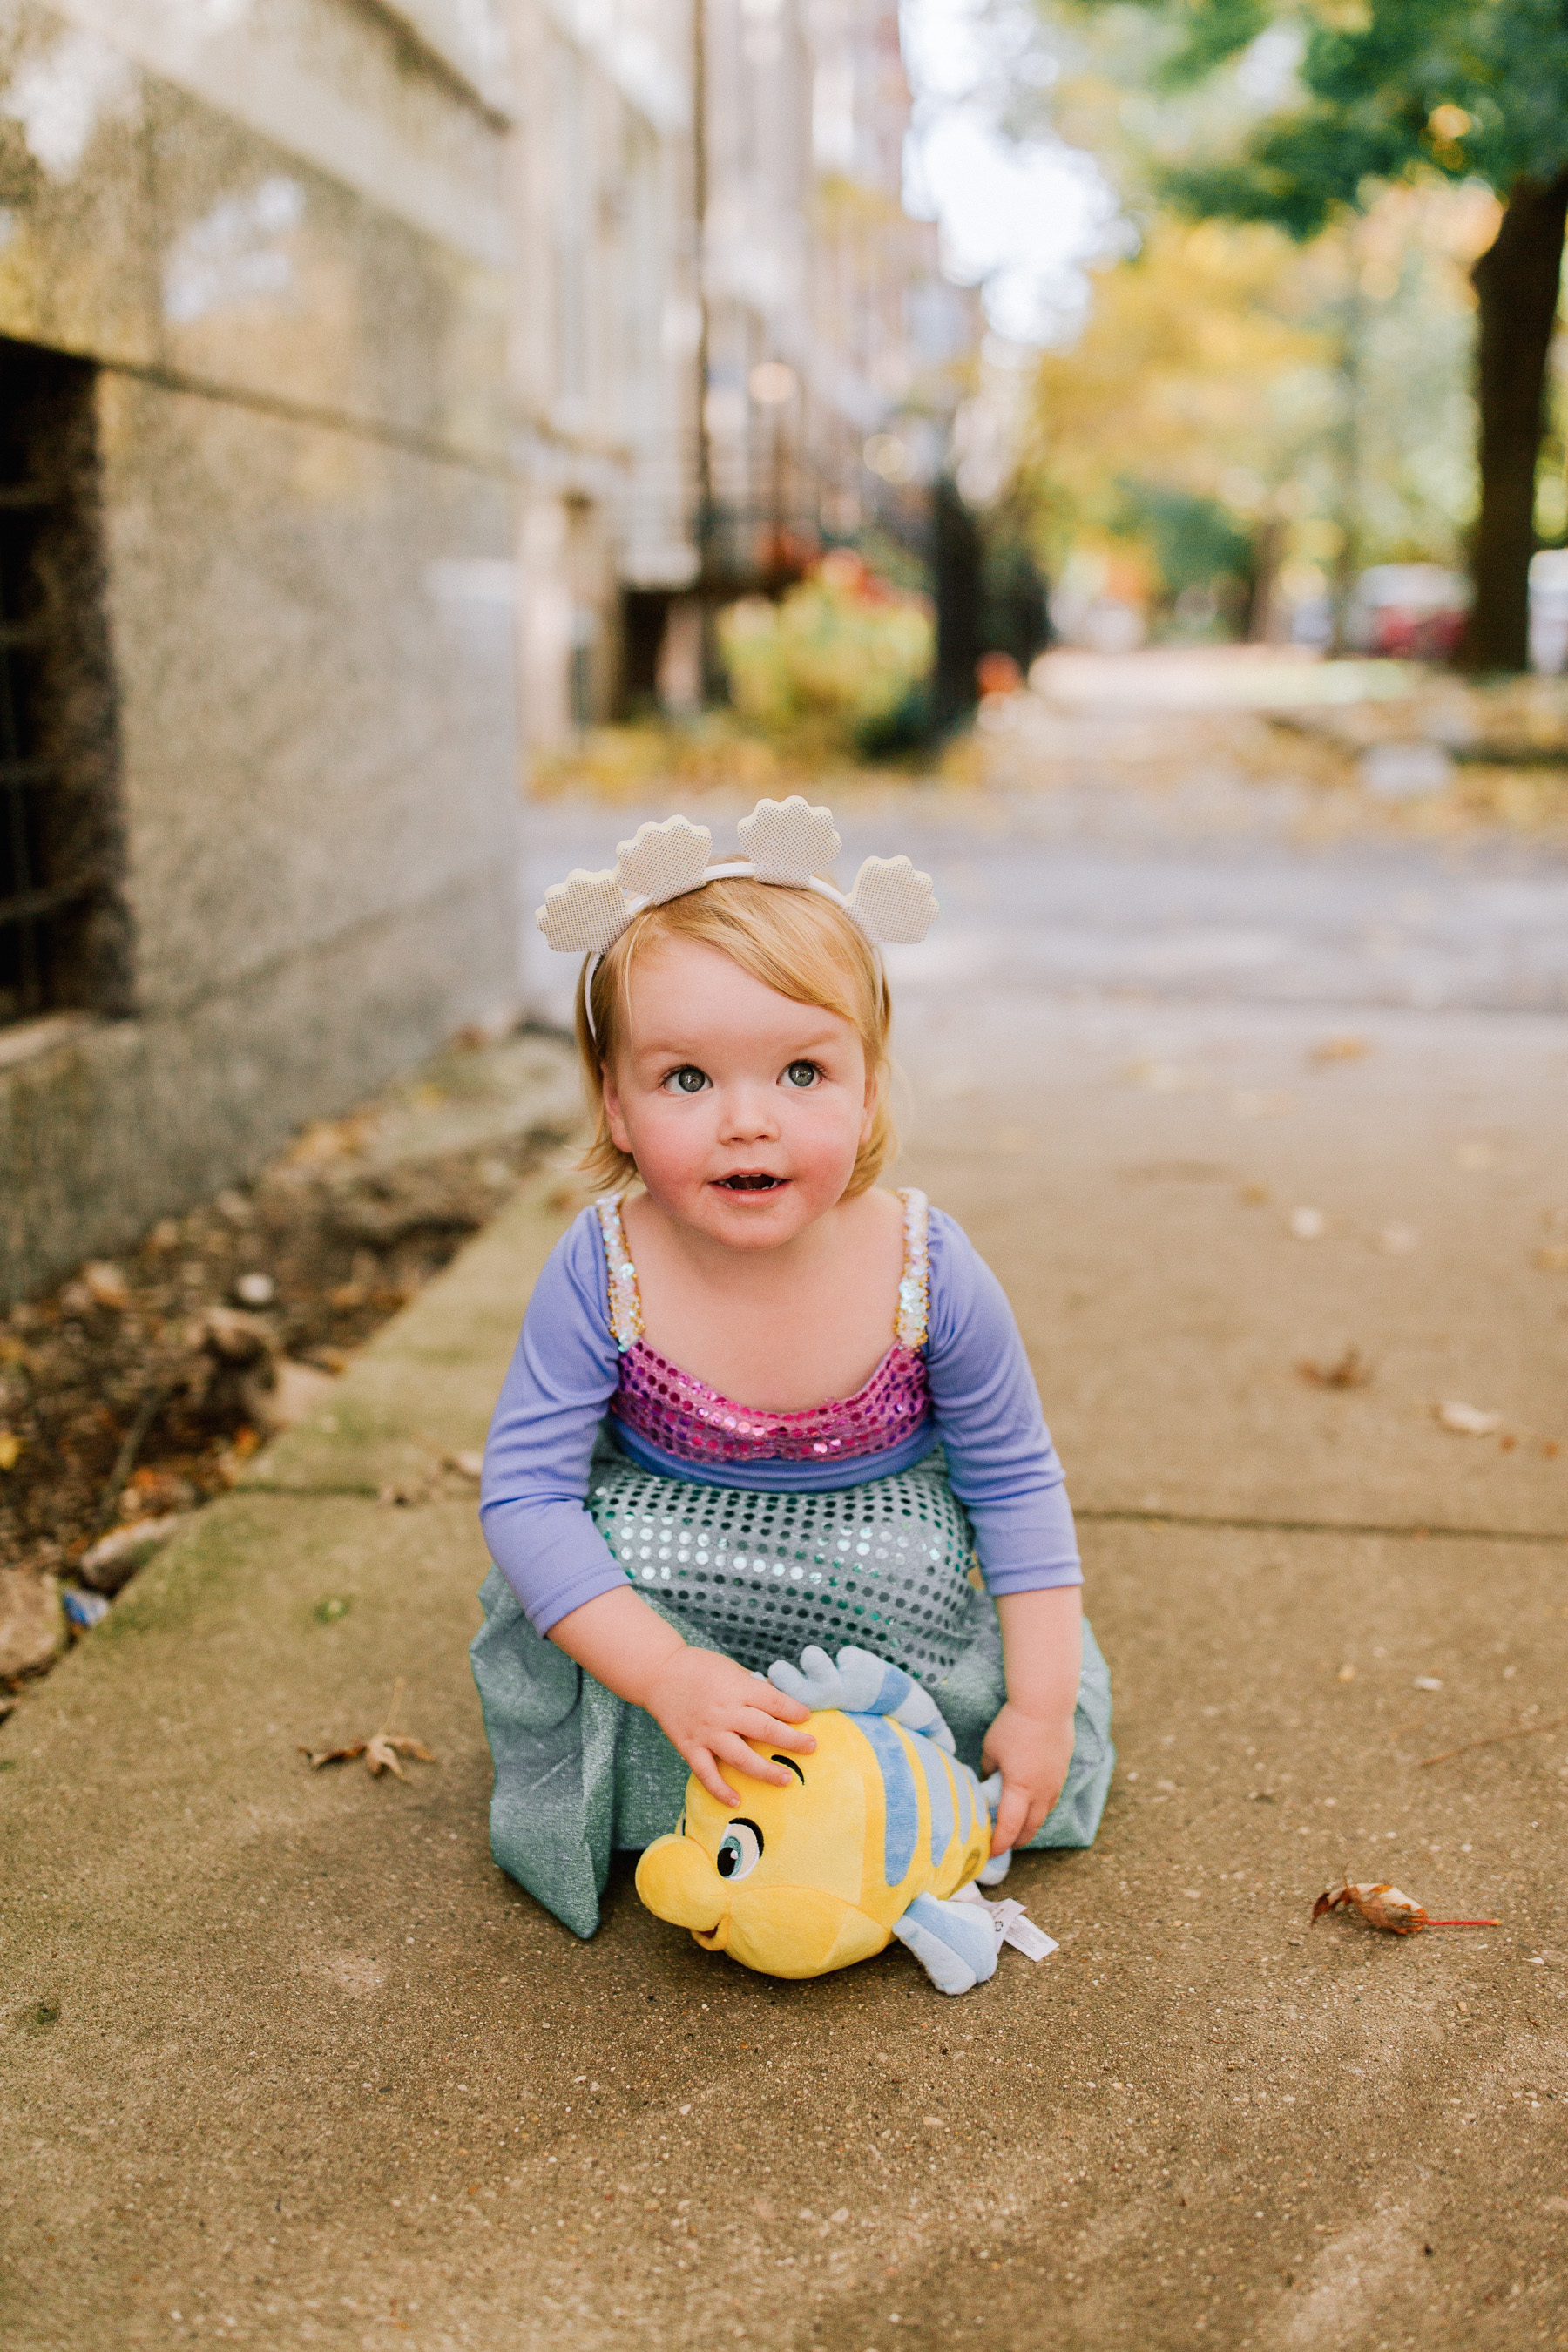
{"points": [[381, 1751], [1466, 1419], [130, 1395], [1495, 1738], [1384, 1905], [1350, 1371]]}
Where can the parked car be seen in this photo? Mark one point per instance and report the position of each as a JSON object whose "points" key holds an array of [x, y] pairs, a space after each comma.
{"points": [[1409, 612]]}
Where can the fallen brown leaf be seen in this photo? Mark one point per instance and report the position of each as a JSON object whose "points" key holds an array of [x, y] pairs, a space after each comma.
{"points": [[1352, 1371], [1385, 1905], [317, 1757], [381, 1751]]}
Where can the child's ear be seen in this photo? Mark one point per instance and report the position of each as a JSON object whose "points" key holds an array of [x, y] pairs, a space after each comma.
{"points": [[614, 1118]]}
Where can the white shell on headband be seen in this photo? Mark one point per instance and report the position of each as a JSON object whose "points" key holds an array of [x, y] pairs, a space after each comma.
{"points": [[785, 842], [664, 861], [788, 842], [893, 902]]}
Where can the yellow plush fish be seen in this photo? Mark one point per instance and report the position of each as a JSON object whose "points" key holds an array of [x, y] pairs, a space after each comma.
{"points": [[877, 1833]]}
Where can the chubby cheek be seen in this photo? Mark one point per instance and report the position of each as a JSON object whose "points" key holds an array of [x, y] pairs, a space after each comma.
{"points": [[821, 1147], [672, 1142]]}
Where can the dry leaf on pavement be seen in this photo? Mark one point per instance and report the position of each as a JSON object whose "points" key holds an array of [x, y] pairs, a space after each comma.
{"points": [[1352, 1371], [1385, 1905], [381, 1751], [317, 1757]]}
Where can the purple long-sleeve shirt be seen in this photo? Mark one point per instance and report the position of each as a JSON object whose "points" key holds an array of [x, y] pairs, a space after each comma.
{"points": [[985, 1413]]}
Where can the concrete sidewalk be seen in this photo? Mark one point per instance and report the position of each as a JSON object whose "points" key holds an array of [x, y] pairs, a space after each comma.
{"points": [[288, 2061]]}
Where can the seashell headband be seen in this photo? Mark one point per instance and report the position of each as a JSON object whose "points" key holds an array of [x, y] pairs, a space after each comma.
{"points": [[786, 842]]}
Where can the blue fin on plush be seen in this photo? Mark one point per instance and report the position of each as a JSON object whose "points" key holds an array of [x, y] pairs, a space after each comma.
{"points": [[953, 1942]]}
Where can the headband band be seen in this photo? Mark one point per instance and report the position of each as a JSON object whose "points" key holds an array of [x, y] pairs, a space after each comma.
{"points": [[785, 842]]}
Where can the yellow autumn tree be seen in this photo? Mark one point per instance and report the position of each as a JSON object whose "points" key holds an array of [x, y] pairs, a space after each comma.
{"points": [[1200, 371], [1238, 401]]}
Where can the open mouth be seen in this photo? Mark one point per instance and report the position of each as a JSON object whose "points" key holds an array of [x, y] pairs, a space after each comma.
{"points": [[753, 1182], [707, 1937]]}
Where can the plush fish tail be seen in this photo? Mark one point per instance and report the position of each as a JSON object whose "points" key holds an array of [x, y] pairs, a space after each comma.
{"points": [[953, 1942]]}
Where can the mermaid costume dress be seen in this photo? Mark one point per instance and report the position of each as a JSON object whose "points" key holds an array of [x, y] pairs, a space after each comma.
{"points": [[755, 1533]]}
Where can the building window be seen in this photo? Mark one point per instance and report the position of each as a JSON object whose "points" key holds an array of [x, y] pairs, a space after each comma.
{"points": [[64, 934]]}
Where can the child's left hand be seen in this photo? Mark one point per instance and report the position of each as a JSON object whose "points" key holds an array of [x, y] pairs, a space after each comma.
{"points": [[1033, 1753]]}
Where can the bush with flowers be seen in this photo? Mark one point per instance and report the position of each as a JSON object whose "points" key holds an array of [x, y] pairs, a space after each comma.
{"points": [[834, 661]]}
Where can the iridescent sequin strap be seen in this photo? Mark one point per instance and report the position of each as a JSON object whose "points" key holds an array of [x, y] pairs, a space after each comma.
{"points": [[625, 1300], [914, 1290]]}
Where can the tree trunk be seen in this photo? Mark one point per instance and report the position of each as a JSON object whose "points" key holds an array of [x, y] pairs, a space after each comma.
{"points": [[1515, 283]]}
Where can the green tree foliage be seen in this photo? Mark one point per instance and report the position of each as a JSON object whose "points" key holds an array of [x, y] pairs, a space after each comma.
{"points": [[1387, 91], [833, 661]]}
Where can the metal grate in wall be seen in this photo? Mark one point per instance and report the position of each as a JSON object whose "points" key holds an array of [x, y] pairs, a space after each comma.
{"points": [[64, 936], [27, 902]]}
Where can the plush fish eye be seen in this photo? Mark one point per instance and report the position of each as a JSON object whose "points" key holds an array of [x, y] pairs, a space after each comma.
{"points": [[740, 1850], [687, 1080], [802, 1074]]}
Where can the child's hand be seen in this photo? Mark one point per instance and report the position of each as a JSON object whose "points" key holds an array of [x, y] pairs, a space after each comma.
{"points": [[1033, 1753], [705, 1704], [709, 1708]]}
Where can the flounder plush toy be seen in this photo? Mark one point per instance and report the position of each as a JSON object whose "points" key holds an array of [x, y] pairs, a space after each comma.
{"points": [[880, 1829]]}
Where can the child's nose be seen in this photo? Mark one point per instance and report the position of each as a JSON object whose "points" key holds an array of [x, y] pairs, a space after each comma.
{"points": [[750, 1112]]}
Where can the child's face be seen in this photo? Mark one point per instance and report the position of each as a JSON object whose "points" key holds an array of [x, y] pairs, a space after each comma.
{"points": [[744, 1111]]}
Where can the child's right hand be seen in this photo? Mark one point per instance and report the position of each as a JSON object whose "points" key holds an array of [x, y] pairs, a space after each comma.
{"points": [[705, 1704], [709, 1708]]}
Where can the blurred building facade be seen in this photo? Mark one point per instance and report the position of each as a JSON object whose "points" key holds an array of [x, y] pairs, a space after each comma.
{"points": [[372, 372], [738, 347], [257, 656]]}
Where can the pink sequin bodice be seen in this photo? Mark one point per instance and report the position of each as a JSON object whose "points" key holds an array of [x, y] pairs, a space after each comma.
{"points": [[686, 1418]]}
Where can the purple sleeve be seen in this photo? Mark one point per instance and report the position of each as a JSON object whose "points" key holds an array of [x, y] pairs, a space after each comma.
{"points": [[533, 1504], [1000, 1458]]}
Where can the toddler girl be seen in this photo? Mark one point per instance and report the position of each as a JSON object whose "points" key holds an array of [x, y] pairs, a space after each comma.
{"points": [[658, 1544]]}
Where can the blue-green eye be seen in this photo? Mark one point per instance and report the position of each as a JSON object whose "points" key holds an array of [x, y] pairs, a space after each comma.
{"points": [[740, 1850], [802, 1074], [689, 1080]]}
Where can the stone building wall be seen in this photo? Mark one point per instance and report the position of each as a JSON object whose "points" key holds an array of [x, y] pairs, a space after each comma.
{"points": [[277, 237]]}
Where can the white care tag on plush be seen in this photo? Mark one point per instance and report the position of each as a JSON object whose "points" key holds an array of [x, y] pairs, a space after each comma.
{"points": [[1011, 1925], [1025, 1937]]}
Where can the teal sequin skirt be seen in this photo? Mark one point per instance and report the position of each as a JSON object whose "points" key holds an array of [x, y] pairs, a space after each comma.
{"points": [[887, 1566]]}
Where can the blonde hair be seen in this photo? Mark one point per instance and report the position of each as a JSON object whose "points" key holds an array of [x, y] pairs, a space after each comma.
{"points": [[802, 945]]}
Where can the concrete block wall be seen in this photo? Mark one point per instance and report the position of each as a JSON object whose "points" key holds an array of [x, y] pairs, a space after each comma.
{"points": [[279, 235]]}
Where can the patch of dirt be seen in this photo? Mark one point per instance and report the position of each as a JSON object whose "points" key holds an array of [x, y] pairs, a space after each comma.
{"points": [[134, 1391]]}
